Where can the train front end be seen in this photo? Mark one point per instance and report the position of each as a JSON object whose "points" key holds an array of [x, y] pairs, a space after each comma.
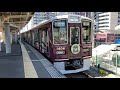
{"points": [[72, 45]]}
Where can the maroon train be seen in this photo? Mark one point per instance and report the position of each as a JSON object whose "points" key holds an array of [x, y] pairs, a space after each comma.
{"points": [[66, 40]]}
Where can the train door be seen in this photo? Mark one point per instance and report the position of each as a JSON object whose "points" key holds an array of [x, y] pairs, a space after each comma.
{"points": [[46, 41], [33, 38], [74, 41], [36, 35], [27, 36], [40, 40], [43, 40], [49, 42]]}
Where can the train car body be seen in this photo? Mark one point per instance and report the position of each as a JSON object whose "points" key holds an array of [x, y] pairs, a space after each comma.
{"points": [[66, 40]]}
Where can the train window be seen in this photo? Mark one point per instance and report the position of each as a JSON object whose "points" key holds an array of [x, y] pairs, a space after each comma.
{"points": [[74, 35], [60, 32], [86, 31]]}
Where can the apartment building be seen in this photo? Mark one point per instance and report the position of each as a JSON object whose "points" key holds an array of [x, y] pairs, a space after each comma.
{"points": [[106, 23], [106, 20]]}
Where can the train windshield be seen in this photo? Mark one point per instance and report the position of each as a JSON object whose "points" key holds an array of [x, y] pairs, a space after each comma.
{"points": [[60, 32], [86, 31]]}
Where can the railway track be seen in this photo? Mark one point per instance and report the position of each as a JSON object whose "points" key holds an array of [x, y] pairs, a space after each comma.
{"points": [[77, 75], [91, 73], [80, 75]]}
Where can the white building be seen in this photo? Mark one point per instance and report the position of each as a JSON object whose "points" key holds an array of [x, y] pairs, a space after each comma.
{"points": [[106, 20]]}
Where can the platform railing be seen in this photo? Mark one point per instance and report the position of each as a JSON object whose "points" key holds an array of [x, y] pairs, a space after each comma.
{"points": [[107, 61]]}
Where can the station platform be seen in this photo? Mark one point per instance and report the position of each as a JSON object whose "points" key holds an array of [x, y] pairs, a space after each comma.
{"points": [[26, 62], [11, 65]]}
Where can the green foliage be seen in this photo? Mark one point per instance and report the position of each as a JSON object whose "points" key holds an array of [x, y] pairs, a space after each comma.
{"points": [[103, 72]]}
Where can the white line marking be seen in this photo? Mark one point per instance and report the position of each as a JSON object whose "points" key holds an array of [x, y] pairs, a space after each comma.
{"points": [[35, 60]]}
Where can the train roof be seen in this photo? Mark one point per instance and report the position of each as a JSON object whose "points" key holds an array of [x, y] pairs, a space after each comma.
{"points": [[66, 16], [56, 17]]}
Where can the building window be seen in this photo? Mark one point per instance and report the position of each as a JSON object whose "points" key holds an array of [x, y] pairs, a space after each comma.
{"points": [[103, 23], [103, 15], [103, 26], [103, 19]]}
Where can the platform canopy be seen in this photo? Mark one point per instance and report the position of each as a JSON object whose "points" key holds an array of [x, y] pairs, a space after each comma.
{"points": [[102, 49], [16, 19]]}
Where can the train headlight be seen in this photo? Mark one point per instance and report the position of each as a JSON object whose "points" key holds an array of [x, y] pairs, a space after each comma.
{"points": [[60, 52]]}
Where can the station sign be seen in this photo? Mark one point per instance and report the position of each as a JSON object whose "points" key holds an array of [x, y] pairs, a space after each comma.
{"points": [[101, 36], [59, 23], [74, 19]]}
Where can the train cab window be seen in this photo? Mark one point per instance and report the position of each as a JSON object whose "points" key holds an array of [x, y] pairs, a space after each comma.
{"points": [[60, 32], [86, 31], [74, 35]]}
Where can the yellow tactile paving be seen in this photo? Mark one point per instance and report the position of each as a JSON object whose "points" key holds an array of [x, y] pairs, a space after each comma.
{"points": [[29, 69]]}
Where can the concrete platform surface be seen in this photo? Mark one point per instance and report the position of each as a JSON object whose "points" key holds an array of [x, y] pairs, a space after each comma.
{"points": [[11, 65]]}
